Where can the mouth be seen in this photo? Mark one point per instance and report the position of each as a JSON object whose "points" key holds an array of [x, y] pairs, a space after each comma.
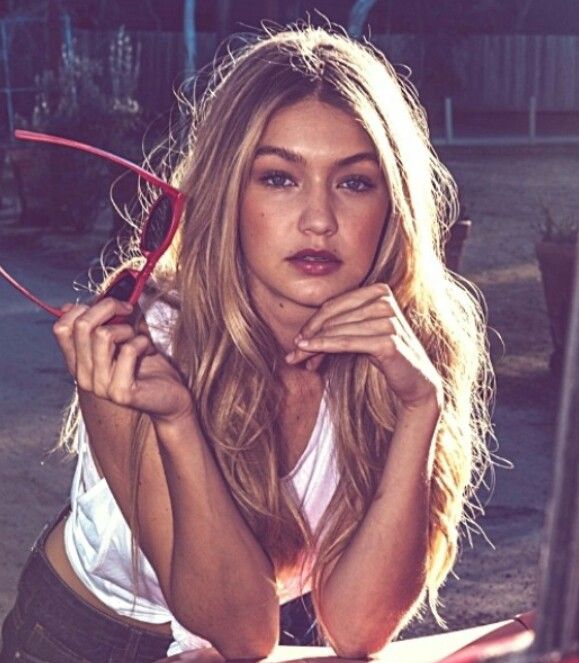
{"points": [[314, 263], [313, 255]]}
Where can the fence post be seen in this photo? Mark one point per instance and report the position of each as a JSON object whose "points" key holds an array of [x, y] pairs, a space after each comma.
{"points": [[190, 37], [448, 119], [4, 48], [532, 118]]}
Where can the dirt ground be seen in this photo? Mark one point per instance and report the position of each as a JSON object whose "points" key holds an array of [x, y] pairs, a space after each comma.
{"points": [[501, 189]]}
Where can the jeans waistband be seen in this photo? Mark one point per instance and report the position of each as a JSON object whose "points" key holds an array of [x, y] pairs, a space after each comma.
{"points": [[38, 575], [50, 525]]}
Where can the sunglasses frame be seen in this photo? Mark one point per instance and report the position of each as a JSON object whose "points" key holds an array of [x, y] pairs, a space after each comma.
{"points": [[151, 257]]}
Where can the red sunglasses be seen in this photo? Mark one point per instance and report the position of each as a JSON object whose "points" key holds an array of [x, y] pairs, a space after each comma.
{"points": [[158, 228]]}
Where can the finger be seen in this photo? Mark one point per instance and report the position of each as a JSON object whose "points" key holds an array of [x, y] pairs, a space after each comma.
{"points": [[314, 362], [83, 328], [374, 327], [104, 309], [368, 327], [371, 327], [63, 332], [122, 388], [384, 306], [405, 327], [378, 345], [297, 356], [105, 345], [343, 303], [377, 308]]}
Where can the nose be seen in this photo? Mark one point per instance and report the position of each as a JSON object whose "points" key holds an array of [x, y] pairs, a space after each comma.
{"points": [[318, 215]]}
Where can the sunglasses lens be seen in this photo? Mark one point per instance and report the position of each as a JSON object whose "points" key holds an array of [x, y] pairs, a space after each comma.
{"points": [[158, 224], [123, 287]]}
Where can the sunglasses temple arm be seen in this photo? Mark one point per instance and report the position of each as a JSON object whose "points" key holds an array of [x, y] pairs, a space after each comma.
{"points": [[22, 290], [37, 137]]}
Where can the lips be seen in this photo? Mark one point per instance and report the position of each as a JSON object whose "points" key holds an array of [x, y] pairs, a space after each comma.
{"points": [[314, 254]]}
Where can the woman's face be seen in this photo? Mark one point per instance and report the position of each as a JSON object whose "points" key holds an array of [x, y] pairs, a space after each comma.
{"points": [[315, 184]]}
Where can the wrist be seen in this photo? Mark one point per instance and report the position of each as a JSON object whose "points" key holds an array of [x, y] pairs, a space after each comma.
{"points": [[429, 406], [174, 428], [420, 416]]}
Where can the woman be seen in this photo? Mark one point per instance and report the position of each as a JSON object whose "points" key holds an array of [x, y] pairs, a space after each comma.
{"points": [[303, 403]]}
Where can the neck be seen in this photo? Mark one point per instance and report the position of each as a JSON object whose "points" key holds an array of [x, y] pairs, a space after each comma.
{"points": [[286, 320]]}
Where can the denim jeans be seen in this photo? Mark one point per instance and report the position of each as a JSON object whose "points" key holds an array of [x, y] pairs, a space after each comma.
{"points": [[50, 623]]}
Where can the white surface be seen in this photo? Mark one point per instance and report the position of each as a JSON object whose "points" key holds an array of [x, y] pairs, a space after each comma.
{"points": [[429, 649]]}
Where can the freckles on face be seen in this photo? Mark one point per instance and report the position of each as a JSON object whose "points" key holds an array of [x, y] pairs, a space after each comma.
{"points": [[315, 183]]}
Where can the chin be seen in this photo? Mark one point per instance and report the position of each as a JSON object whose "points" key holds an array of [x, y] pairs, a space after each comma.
{"points": [[315, 295]]}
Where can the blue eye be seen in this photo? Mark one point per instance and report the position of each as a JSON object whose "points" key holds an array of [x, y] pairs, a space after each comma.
{"points": [[277, 179], [359, 184]]}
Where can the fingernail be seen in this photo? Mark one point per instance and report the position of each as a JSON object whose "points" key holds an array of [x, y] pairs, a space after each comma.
{"points": [[298, 338], [303, 342], [290, 357]]}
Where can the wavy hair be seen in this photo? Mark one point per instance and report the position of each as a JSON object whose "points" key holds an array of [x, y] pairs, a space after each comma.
{"points": [[228, 356]]}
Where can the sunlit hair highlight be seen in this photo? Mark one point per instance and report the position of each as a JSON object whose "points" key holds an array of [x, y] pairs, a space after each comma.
{"points": [[229, 357]]}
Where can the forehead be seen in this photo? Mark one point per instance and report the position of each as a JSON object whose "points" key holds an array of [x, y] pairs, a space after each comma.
{"points": [[311, 124]]}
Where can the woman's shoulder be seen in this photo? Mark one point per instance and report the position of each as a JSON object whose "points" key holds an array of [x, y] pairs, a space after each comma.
{"points": [[160, 309]]}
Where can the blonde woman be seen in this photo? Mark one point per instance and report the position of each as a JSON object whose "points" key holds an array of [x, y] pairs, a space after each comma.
{"points": [[300, 402]]}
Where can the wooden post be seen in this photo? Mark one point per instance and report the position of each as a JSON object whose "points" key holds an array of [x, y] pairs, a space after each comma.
{"points": [[532, 118], [448, 119], [4, 54], [557, 627], [190, 37], [359, 16]]}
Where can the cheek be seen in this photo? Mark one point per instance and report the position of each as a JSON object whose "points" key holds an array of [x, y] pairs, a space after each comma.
{"points": [[248, 218], [255, 231], [261, 218], [366, 236], [253, 226]]}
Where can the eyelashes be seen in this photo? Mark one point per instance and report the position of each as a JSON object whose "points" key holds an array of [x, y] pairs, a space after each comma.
{"points": [[362, 184], [278, 179]]}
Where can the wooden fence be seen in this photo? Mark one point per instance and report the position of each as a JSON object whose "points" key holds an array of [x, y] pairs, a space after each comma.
{"points": [[162, 60], [494, 72], [498, 73], [480, 72]]}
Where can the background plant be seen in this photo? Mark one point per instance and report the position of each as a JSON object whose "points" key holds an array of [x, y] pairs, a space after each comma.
{"points": [[562, 229], [93, 102]]}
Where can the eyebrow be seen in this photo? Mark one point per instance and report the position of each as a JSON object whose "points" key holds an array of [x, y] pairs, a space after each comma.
{"points": [[294, 157]]}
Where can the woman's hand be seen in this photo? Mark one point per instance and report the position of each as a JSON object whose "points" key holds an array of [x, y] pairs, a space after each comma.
{"points": [[117, 363], [368, 320]]}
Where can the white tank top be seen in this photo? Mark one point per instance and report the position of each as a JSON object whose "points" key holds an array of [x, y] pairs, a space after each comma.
{"points": [[98, 539]]}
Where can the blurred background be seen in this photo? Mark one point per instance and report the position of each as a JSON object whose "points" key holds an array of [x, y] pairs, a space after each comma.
{"points": [[500, 82], [506, 66], [488, 72]]}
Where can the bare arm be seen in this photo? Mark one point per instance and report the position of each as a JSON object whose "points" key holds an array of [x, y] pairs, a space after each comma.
{"points": [[371, 587], [382, 572], [215, 576]]}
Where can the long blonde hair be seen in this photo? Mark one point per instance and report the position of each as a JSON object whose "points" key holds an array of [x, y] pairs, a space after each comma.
{"points": [[228, 356]]}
